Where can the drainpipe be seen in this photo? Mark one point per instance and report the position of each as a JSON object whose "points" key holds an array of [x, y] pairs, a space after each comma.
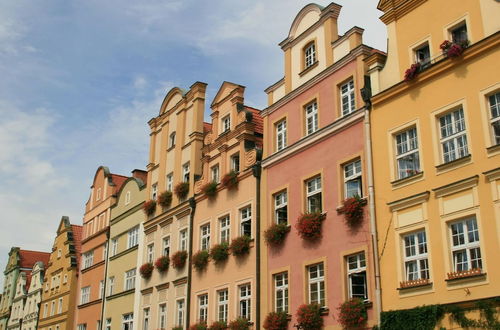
{"points": [[105, 276], [256, 171], [192, 204]]}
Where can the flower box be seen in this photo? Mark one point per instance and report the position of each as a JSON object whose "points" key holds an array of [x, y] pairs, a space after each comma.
{"points": [[352, 313], [200, 260], [181, 190], [239, 324], [240, 246], [199, 326], [276, 321], [230, 180], [464, 273], [210, 189], [162, 263], [165, 198], [218, 325], [178, 259], [414, 283], [352, 209], [309, 317], [453, 49], [146, 270], [309, 226], [412, 72], [276, 234], [219, 252], [149, 207]]}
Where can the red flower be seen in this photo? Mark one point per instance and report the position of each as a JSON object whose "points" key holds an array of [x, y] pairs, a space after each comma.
{"points": [[179, 259], [352, 209], [149, 207], [146, 270], [162, 263], [352, 313], [309, 225]]}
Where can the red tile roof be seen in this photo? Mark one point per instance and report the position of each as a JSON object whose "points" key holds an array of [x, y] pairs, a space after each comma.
{"points": [[118, 180], [207, 127], [29, 258], [77, 238], [257, 119]]}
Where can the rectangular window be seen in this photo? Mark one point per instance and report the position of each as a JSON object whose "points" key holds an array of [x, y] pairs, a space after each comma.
{"points": [[494, 103], [150, 253], [281, 135], [60, 306], [310, 55], [45, 309], [169, 186], [81, 326], [281, 208], [205, 237], [311, 117], [356, 274], [246, 221], [225, 230], [180, 312], [459, 34], [166, 246], [53, 308], [114, 246], [128, 322], [214, 171], [203, 308], [222, 305], [316, 284], [415, 256], [313, 190], [423, 54], [235, 162], [101, 289], [88, 259], [185, 172], [407, 156], [226, 123], [281, 292], [129, 279], [245, 301], [183, 240], [85, 295], [347, 97], [111, 285], [154, 191], [133, 237], [453, 135], [465, 249], [145, 320], [162, 316], [108, 324], [98, 197], [352, 179], [171, 140]]}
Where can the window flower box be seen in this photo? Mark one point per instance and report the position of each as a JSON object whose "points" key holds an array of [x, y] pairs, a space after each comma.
{"points": [[414, 283], [218, 325], [412, 72], [210, 189], [352, 209], [453, 49], [178, 259], [230, 180], [239, 324], [219, 252], [200, 260], [309, 317], [181, 190], [146, 270], [464, 273], [162, 263], [165, 198], [309, 226], [240, 246], [276, 321], [199, 326], [275, 235], [149, 207], [352, 313]]}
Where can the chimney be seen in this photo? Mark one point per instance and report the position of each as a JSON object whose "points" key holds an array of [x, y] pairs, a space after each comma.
{"points": [[140, 174]]}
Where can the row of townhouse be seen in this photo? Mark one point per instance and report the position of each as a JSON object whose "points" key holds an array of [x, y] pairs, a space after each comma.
{"points": [[369, 176]]}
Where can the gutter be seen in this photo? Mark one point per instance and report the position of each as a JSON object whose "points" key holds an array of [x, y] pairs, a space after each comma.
{"points": [[192, 204], [108, 233], [257, 171]]}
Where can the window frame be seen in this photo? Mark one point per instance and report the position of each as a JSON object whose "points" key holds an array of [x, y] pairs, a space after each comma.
{"points": [[280, 200], [186, 172], [494, 120], [358, 271], [223, 305], [85, 295], [280, 129], [283, 289], [205, 237], [309, 55], [416, 258], [466, 246], [347, 97], [226, 123], [224, 229], [180, 310], [171, 140], [235, 162], [311, 194], [245, 301], [154, 191], [183, 237], [417, 51], [133, 237], [150, 252], [453, 136], [87, 259], [215, 173], [356, 176], [169, 182], [145, 318], [203, 307], [129, 279], [245, 220], [128, 321], [408, 146], [162, 316], [311, 116], [316, 281], [166, 245]]}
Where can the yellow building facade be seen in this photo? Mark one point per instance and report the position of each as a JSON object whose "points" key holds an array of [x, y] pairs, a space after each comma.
{"points": [[436, 138]]}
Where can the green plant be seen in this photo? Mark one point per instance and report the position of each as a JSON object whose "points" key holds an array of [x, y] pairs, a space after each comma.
{"points": [[240, 246], [200, 260], [162, 263], [219, 252], [199, 326], [276, 321], [309, 226], [239, 324], [179, 327], [352, 313], [218, 325], [230, 180], [178, 259], [165, 198], [488, 315], [210, 189], [181, 189], [420, 318], [276, 234], [149, 207], [309, 317], [352, 209], [146, 270]]}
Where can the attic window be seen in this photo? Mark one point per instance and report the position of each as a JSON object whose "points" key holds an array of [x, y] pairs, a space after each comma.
{"points": [[423, 54], [309, 54], [459, 33], [98, 195], [226, 123]]}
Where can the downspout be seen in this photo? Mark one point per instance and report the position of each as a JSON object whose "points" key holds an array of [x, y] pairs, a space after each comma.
{"points": [[256, 171], [371, 204], [105, 276], [192, 204]]}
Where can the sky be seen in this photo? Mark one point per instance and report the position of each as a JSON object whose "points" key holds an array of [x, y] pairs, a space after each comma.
{"points": [[79, 81]]}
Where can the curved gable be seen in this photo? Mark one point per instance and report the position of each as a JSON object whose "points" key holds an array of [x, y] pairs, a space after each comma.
{"points": [[173, 97], [309, 15], [131, 184]]}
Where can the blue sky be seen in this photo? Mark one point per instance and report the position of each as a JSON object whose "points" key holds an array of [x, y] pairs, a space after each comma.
{"points": [[80, 80]]}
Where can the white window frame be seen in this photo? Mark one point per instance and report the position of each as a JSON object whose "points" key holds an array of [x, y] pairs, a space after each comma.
{"points": [[60, 306], [316, 279], [246, 220], [114, 246], [185, 172], [180, 311], [150, 253], [281, 135], [84, 295], [494, 116], [235, 162], [453, 125], [281, 292], [222, 305], [205, 237], [171, 140], [356, 267], [128, 321], [169, 185], [416, 258], [226, 123], [353, 174], [309, 54], [313, 188], [111, 285], [127, 197], [460, 26], [98, 194], [145, 318], [129, 279], [347, 97], [224, 229], [245, 301], [87, 259], [422, 54], [203, 307], [311, 115], [154, 191], [183, 239], [133, 237], [281, 207], [464, 246], [162, 316], [101, 289], [215, 173], [166, 246], [407, 153]]}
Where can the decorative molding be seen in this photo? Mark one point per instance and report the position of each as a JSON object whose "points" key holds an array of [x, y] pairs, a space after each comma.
{"points": [[127, 251], [409, 201], [180, 281], [456, 186], [120, 294], [493, 174]]}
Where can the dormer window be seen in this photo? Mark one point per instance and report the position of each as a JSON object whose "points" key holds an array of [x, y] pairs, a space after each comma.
{"points": [[226, 123], [171, 140], [309, 55], [423, 54], [459, 34]]}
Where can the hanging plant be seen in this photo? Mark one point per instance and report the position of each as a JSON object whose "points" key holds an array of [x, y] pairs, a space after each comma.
{"points": [[165, 198], [199, 326], [309, 317], [200, 260], [309, 226], [181, 190], [178, 259], [219, 252], [412, 72], [352, 209], [240, 246], [218, 325], [162, 263], [149, 207], [276, 234], [210, 189], [230, 180], [276, 321], [239, 324], [453, 49], [352, 313], [146, 270]]}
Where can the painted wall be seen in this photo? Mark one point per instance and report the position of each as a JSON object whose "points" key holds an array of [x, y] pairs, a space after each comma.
{"points": [[33, 298]]}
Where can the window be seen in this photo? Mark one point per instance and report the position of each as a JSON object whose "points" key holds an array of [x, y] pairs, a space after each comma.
{"points": [[347, 97], [111, 284], [108, 324], [494, 102], [226, 123], [281, 292], [280, 208], [459, 34], [356, 274], [185, 172], [127, 198], [81, 326], [423, 54], [171, 140], [214, 170], [281, 135], [162, 317], [129, 279], [453, 137], [154, 191], [98, 194], [53, 308], [316, 284], [245, 301], [222, 305], [101, 289], [170, 182], [205, 237], [465, 248], [166, 246], [416, 262], [180, 312], [313, 189], [59, 253], [352, 179], [150, 253], [45, 309], [246, 221], [145, 320], [114, 246], [311, 118], [133, 237], [128, 322], [65, 279], [88, 259], [203, 308], [309, 55], [183, 240], [407, 157], [235, 162], [84, 295], [224, 227]]}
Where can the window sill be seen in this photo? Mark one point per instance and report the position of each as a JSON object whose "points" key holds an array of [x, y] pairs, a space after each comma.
{"points": [[415, 284], [309, 68], [409, 179], [467, 274], [454, 163]]}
